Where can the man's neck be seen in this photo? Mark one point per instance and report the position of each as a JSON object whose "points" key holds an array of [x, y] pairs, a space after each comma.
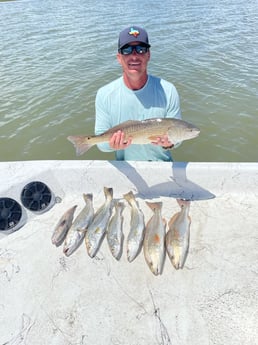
{"points": [[135, 84]]}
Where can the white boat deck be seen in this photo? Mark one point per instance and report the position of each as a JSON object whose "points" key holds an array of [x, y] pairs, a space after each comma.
{"points": [[48, 298]]}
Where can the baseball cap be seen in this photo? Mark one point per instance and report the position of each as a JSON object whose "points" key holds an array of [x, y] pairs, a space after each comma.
{"points": [[132, 34]]}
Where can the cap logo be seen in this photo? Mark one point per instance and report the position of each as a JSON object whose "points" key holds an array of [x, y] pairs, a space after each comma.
{"points": [[134, 32]]}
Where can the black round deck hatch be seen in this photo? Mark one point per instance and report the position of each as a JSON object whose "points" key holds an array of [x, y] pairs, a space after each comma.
{"points": [[36, 196], [10, 213]]}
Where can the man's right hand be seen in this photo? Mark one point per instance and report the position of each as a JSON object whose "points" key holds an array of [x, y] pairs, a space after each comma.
{"points": [[119, 142]]}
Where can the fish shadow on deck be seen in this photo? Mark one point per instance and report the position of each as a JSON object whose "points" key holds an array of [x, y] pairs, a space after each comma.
{"points": [[179, 187]]}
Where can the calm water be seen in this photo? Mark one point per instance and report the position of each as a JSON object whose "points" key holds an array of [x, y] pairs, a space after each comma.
{"points": [[56, 54]]}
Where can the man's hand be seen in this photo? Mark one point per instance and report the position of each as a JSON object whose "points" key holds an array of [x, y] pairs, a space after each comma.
{"points": [[164, 142], [119, 142]]}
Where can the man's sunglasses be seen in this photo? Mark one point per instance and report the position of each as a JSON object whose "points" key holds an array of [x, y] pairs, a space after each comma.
{"points": [[127, 50]]}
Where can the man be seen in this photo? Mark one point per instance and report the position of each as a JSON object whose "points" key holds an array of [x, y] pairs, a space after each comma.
{"points": [[135, 96]]}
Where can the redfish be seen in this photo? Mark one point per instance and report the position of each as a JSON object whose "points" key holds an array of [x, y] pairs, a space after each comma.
{"points": [[178, 235], [141, 132], [154, 239]]}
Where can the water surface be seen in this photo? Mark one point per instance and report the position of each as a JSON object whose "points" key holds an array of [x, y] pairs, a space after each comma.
{"points": [[55, 55]]}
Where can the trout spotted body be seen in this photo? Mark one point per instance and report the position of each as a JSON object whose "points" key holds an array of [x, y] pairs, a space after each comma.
{"points": [[137, 227], [63, 226], [97, 228], [77, 231], [114, 231]]}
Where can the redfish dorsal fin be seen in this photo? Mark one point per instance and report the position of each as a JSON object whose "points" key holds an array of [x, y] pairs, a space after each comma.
{"points": [[173, 219]]}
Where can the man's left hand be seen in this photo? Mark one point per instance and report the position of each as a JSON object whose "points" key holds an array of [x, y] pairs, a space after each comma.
{"points": [[164, 142]]}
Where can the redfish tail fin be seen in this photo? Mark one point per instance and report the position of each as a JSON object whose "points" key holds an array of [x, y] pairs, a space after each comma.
{"points": [[154, 205], [81, 143]]}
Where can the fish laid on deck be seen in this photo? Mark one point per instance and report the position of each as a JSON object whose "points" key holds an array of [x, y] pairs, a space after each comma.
{"points": [[96, 230], [154, 239], [137, 227], [77, 231], [141, 132], [177, 237], [63, 226], [115, 232]]}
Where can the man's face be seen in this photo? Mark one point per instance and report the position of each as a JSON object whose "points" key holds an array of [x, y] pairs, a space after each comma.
{"points": [[134, 64]]}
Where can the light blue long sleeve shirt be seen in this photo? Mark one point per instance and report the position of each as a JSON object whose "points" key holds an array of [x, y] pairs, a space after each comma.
{"points": [[116, 103]]}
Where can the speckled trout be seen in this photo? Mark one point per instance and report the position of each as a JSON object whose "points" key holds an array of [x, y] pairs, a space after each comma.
{"points": [[141, 132], [177, 237], [63, 226], [137, 227], [154, 239], [77, 231], [97, 229], [115, 231]]}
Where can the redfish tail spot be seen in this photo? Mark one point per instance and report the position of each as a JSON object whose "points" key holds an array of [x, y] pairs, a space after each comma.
{"points": [[80, 143]]}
